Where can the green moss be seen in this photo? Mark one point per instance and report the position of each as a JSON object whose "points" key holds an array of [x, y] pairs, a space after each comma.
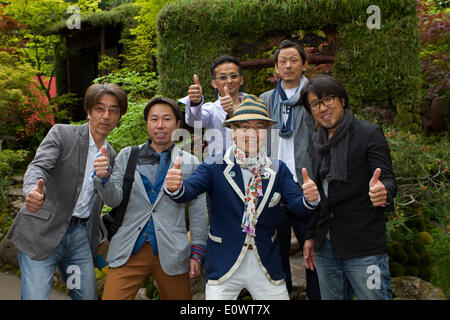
{"points": [[396, 269], [411, 271], [425, 237], [413, 258], [425, 272], [373, 65]]}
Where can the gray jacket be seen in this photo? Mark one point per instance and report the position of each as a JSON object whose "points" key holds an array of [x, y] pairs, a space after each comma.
{"points": [[61, 161], [168, 217], [303, 139]]}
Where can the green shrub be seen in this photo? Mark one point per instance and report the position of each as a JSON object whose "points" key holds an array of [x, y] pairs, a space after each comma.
{"points": [[396, 269], [411, 271], [376, 66], [132, 129], [439, 251]]}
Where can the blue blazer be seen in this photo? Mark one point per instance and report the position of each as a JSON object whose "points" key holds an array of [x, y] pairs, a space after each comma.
{"points": [[222, 179]]}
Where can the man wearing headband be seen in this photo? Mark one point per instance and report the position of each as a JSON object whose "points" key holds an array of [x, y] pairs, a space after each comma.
{"points": [[245, 189]]}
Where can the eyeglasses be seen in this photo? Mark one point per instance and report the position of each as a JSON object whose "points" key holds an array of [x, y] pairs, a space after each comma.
{"points": [[115, 111], [224, 77], [246, 127], [327, 101]]}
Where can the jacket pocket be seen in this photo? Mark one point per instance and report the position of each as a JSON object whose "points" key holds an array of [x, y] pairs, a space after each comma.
{"points": [[214, 238], [43, 213], [275, 200]]}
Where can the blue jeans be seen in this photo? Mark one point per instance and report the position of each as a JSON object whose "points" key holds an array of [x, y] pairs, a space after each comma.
{"points": [[368, 276], [73, 257]]}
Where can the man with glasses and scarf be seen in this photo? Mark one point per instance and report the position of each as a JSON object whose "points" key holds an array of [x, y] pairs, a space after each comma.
{"points": [[353, 169]]}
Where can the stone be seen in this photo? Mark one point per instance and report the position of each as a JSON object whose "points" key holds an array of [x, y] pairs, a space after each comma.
{"points": [[17, 179], [9, 253], [15, 193], [141, 295], [413, 288]]}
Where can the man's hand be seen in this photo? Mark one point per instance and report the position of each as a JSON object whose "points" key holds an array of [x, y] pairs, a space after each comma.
{"points": [[35, 197], [377, 190], [309, 256], [226, 102], [195, 91], [174, 177], [309, 187], [195, 268], [101, 164]]}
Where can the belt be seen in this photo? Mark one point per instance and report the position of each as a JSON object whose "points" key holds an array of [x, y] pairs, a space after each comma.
{"points": [[74, 221], [249, 246]]}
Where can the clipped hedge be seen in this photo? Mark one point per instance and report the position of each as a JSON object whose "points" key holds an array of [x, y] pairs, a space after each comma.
{"points": [[376, 66]]}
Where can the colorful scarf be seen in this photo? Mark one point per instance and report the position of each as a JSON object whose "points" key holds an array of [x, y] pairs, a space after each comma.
{"points": [[253, 189]]}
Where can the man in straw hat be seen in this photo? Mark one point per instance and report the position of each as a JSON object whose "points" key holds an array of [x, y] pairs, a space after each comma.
{"points": [[245, 191]]}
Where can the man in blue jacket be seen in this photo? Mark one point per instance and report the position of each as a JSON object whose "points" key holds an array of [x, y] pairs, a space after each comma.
{"points": [[245, 187]]}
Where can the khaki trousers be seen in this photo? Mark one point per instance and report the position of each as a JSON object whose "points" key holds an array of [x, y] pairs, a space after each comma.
{"points": [[124, 282]]}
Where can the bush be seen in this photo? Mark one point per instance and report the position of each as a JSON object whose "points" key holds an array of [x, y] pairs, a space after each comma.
{"points": [[132, 130], [439, 252], [10, 162], [374, 65]]}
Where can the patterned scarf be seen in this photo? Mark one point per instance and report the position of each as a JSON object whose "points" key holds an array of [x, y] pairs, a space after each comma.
{"points": [[293, 104], [253, 189]]}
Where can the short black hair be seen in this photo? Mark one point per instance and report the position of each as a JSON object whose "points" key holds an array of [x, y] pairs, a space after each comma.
{"points": [[162, 100], [322, 85], [224, 59], [290, 44]]}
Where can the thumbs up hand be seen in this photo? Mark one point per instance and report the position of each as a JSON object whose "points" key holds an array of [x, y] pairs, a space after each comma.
{"points": [[309, 187], [35, 197], [227, 102], [377, 190], [195, 91], [174, 177], [101, 164]]}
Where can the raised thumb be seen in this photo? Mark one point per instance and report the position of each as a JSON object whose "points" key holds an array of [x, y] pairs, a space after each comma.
{"points": [[176, 163], [305, 175], [103, 149], [226, 91], [40, 186], [196, 81], [376, 175]]}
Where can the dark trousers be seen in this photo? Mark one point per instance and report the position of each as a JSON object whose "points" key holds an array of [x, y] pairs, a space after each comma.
{"points": [[287, 220]]}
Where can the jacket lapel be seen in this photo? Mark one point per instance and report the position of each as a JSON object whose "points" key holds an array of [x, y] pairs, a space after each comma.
{"points": [[233, 175], [83, 145]]}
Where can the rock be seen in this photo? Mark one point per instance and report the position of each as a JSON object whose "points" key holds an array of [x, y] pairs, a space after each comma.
{"points": [[413, 288], [141, 295], [298, 292], [198, 287], [17, 179], [16, 205], [9, 253], [15, 193]]}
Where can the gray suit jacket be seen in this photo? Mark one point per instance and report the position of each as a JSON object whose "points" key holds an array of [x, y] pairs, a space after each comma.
{"points": [[61, 161], [303, 139], [168, 216]]}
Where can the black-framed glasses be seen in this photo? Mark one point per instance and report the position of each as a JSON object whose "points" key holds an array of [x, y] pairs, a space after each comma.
{"points": [[326, 101], [224, 77]]}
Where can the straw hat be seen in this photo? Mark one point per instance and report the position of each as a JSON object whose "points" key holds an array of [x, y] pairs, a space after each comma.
{"points": [[251, 108]]}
